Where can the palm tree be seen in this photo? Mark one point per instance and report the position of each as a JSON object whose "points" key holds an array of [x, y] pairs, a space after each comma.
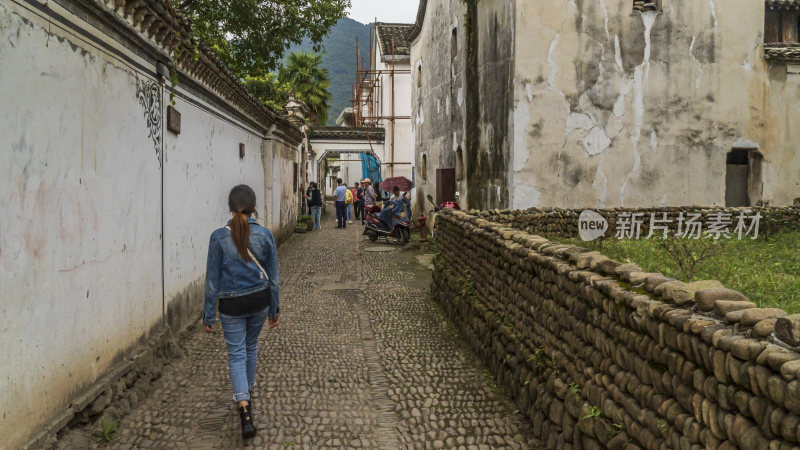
{"points": [[310, 83]]}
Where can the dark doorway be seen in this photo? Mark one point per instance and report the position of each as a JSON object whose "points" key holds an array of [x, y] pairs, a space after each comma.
{"points": [[445, 185], [743, 184]]}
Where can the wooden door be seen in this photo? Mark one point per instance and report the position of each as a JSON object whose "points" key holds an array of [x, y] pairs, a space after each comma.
{"points": [[445, 185]]}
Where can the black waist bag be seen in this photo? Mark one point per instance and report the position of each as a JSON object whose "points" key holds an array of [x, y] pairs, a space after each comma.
{"points": [[249, 303], [245, 304]]}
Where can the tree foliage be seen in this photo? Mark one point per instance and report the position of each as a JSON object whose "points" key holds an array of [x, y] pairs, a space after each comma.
{"points": [[303, 76], [339, 58], [252, 36], [269, 90], [309, 82]]}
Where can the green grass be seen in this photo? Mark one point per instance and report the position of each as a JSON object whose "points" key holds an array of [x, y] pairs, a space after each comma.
{"points": [[107, 430], [767, 271]]}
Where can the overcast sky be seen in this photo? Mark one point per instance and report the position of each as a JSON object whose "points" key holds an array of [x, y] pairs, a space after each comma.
{"points": [[399, 11]]}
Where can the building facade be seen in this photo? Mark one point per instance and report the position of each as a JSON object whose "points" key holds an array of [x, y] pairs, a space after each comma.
{"points": [[382, 98], [519, 103]]}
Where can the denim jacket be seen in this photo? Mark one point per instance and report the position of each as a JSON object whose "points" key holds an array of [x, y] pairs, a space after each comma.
{"points": [[228, 275]]}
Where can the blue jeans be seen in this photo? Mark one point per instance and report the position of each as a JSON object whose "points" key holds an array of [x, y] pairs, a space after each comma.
{"points": [[349, 212], [341, 214], [316, 213], [241, 338]]}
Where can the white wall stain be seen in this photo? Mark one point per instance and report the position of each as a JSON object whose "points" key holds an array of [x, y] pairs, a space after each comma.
{"points": [[525, 196], [596, 141], [551, 61], [713, 12], [578, 121], [618, 54], [639, 76], [600, 183], [696, 61], [605, 17], [653, 139], [747, 65], [521, 121]]}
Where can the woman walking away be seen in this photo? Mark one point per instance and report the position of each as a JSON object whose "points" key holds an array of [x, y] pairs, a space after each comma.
{"points": [[242, 277], [315, 203]]}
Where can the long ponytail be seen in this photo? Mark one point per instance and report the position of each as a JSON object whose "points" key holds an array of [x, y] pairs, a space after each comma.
{"points": [[242, 203]]}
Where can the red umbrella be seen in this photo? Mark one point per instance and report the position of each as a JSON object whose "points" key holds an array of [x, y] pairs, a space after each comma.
{"points": [[402, 182]]}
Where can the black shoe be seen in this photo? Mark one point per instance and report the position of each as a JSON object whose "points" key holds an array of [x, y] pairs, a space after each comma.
{"points": [[249, 430]]}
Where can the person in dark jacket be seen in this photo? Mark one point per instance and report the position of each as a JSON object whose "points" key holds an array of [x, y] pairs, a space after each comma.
{"points": [[242, 281], [360, 192], [315, 204]]}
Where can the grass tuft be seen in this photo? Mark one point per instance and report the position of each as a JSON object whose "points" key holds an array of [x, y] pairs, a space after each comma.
{"points": [[767, 271]]}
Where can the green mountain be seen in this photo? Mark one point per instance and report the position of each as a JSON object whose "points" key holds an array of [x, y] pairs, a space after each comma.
{"points": [[339, 58]]}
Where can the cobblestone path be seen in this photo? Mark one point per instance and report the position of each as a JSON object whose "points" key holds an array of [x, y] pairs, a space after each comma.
{"points": [[362, 359]]}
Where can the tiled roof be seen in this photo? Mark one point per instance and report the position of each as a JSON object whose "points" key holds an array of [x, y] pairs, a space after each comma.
{"points": [[784, 3], [348, 133], [785, 52], [417, 28], [394, 33], [170, 31]]}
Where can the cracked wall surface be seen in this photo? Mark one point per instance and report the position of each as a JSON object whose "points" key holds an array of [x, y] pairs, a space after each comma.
{"points": [[615, 108]]}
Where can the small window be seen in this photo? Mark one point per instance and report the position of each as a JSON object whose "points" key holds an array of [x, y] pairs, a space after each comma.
{"points": [[459, 164], [782, 26], [424, 167], [296, 178], [419, 76], [454, 44]]}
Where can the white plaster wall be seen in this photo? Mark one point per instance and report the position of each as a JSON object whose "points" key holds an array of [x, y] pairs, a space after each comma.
{"points": [[351, 169], [80, 249], [279, 158], [202, 165], [81, 209], [403, 143]]}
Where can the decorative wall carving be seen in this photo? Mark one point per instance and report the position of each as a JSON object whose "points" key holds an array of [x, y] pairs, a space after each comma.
{"points": [[149, 94]]}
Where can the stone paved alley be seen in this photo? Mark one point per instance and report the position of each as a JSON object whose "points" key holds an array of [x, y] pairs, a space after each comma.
{"points": [[362, 358]]}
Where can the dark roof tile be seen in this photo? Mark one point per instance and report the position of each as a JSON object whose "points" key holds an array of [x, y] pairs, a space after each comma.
{"points": [[397, 33], [348, 133]]}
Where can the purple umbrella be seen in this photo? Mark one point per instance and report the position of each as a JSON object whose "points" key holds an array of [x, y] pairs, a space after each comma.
{"points": [[402, 182]]}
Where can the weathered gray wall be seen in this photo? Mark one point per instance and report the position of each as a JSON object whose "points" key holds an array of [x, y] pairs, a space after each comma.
{"points": [[612, 108], [438, 99], [490, 97]]}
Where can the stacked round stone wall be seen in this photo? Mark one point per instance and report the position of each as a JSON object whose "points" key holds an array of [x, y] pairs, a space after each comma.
{"points": [[564, 222], [598, 354]]}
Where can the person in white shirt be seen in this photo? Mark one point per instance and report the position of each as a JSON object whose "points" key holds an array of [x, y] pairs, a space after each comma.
{"points": [[340, 194]]}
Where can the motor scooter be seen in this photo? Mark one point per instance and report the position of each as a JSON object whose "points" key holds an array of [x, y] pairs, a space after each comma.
{"points": [[375, 228], [437, 208]]}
